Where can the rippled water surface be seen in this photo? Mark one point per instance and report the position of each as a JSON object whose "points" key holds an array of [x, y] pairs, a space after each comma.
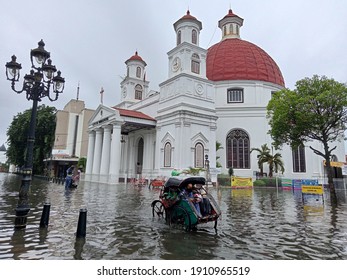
{"points": [[255, 224]]}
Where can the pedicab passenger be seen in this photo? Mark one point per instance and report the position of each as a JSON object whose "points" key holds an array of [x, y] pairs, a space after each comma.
{"points": [[205, 205], [188, 193]]}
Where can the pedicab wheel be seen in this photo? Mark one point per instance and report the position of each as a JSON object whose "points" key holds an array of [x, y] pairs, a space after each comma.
{"points": [[179, 217], [158, 209]]}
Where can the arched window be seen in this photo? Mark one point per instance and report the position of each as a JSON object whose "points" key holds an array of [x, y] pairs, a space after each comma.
{"points": [[138, 72], [224, 30], [178, 38], [231, 29], [195, 65], [299, 160], [194, 37], [199, 155], [167, 155], [238, 154], [237, 30], [138, 92]]}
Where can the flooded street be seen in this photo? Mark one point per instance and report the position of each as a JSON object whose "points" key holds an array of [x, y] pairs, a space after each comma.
{"points": [[259, 224]]}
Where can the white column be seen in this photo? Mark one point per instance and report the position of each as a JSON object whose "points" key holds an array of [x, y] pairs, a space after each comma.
{"points": [[157, 153], [115, 152], [97, 151], [147, 155], [90, 155], [125, 159], [131, 157], [106, 149]]}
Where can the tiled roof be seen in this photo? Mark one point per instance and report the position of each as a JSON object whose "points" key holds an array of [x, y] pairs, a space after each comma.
{"points": [[236, 59], [134, 114]]}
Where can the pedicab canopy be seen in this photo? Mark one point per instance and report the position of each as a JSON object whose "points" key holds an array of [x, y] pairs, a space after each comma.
{"points": [[181, 183]]}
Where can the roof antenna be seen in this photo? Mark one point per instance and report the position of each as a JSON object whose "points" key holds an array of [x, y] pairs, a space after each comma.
{"points": [[214, 32], [78, 90]]}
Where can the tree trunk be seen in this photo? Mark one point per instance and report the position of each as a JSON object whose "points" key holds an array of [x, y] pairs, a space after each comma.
{"points": [[333, 196]]}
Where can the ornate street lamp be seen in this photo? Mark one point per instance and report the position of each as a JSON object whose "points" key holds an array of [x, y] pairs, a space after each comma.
{"points": [[37, 84], [207, 167]]}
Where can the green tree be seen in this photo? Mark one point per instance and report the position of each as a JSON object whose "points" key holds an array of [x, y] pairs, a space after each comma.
{"points": [[82, 163], [193, 170], [218, 147], [314, 110], [263, 154], [17, 134], [274, 161]]}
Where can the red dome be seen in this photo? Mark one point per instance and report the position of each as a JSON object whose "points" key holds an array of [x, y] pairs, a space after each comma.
{"points": [[136, 57], [236, 59]]}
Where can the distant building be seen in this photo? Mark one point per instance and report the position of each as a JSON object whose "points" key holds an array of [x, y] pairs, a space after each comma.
{"points": [[71, 137], [3, 158]]}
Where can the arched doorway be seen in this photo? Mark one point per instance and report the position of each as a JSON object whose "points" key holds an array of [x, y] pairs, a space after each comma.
{"points": [[139, 156]]}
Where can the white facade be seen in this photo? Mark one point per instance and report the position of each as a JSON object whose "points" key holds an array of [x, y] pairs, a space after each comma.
{"points": [[151, 133]]}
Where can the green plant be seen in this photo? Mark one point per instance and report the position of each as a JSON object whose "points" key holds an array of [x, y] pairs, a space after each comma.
{"points": [[231, 171], [218, 147], [267, 182], [194, 170], [259, 183], [223, 180], [82, 162]]}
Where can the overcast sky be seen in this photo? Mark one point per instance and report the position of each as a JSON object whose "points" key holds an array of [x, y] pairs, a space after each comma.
{"points": [[90, 40]]}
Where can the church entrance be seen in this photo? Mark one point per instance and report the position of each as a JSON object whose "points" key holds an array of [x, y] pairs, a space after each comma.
{"points": [[139, 160]]}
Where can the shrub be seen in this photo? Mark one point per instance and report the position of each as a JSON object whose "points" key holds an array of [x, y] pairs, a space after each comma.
{"points": [[231, 171], [259, 183], [267, 182], [223, 180]]}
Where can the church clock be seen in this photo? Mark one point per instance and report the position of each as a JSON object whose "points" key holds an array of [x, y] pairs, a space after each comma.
{"points": [[124, 92], [176, 64]]}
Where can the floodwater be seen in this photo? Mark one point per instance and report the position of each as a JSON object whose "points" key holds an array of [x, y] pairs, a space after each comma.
{"points": [[258, 224]]}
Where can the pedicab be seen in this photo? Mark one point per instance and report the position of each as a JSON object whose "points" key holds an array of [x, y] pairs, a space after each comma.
{"points": [[186, 203]]}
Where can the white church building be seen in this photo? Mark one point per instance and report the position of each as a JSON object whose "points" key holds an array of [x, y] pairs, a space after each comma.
{"points": [[211, 95]]}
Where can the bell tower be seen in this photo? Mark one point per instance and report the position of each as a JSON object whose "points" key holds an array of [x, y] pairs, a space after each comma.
{"points": [[187, 56], [134, 86]]}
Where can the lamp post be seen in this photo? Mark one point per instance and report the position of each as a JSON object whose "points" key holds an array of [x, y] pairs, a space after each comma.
{"points": [[36, 85], [207, 167]]}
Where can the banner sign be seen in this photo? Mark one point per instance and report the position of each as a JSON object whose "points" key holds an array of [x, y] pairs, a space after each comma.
{"points": [[309, 182], [287, 184], [241, 182], [312, 189], [297, 184], [335, 163]]}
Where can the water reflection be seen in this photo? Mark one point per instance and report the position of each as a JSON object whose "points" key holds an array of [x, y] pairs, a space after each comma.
{"points": [[255, 224]]}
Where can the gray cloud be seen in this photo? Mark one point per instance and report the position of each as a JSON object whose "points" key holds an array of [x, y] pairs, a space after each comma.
{"points": [[90, 40]]}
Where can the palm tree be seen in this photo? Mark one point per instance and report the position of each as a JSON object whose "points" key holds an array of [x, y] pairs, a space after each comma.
{"points": [[218, 147], [264, 153], [275, 161]]}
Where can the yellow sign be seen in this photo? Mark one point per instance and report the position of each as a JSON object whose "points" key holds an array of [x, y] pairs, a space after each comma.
{"points": [[241, 182], [312, 189], [335, 163], [242, 192]]}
